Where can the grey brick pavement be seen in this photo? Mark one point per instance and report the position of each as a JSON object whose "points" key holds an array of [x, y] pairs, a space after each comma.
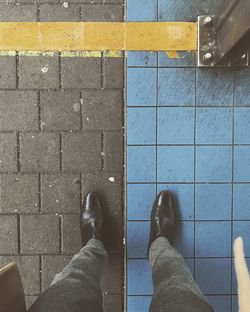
{"points": [[61, 136]]}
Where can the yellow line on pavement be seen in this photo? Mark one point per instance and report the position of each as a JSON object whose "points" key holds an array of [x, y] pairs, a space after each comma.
{"points": [[98, 36]]}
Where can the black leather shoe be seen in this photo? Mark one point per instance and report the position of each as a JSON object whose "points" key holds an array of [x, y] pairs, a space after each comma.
{"points": [[162, 218], [91, 219]]}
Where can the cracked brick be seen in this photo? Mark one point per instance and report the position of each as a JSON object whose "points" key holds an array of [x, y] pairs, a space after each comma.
{"points": [[113, 151], [8, 152], [40, 152], [81, 72], [39, 234], [60, 193], [8, 234], [29, 269], [14, 105], [113, 73], [38, 72], [102, 13], [59, 13], [81, 151], [60, 110], [71, 239], [19, 193], [102, 109], [7, 72]]}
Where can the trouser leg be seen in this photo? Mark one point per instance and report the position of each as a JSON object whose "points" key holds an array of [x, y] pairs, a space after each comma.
{"points": [[174, 287], [77, 287]]}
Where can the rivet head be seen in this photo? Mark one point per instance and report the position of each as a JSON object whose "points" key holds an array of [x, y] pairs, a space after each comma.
{"points": [[208, 57]]}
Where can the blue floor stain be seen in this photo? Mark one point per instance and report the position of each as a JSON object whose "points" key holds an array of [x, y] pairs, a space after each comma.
{"points": [[188, 132]]}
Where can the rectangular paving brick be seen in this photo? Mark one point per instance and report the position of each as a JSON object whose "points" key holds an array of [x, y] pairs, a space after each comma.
{"points": [[81, 152], [114, 268], [39, 234], [102, 109], [58, 13], [112, 303], [114, 233], [19, 193], [108, 186], [113, 151], [51, 265], [81, 72], [60, 193], [7, 72], [8, 234], [102, 13], [20, 13], [71, 239], [30, 300], [8, 152], [113, 73], [14, 105], [40, 151], [29, 267], [38, 72], [60, 110]]}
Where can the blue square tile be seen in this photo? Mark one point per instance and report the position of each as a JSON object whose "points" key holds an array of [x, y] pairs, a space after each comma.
{"points": [[142, 58], [219, 272], [138, 236], [207, 233], [141, 10], [139, 303], [214, 87], [141, 125], [139, 277], [214, 125], [235, 284], [242, 229], [183, 195], [213, 201], [235, 305], [175, 164], [177, 10], [184, 238], [242, 164], [183, 58], [242, 126], [206, 7], [141, 86], [213, 164], [176, 87], [242, 88], [241, 201], [140, 199], [141, 164], [220, 303], [176, 125]]}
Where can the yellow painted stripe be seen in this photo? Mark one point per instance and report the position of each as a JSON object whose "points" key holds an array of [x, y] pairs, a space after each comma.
{"points": [[98, 36]]}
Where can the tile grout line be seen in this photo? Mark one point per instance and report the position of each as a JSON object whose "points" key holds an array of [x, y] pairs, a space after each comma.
{"points": [[194, 211], [232, 205]]}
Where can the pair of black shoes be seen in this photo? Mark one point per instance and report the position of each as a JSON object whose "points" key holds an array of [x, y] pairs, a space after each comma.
{"points": [[162, 218]]}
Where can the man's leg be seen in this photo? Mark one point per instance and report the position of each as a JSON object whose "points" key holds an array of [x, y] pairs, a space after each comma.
{"points": [[77, 287], [174, 286]]}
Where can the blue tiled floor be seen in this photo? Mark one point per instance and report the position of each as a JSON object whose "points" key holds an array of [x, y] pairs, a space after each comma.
{"points": [[188, 132]]}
